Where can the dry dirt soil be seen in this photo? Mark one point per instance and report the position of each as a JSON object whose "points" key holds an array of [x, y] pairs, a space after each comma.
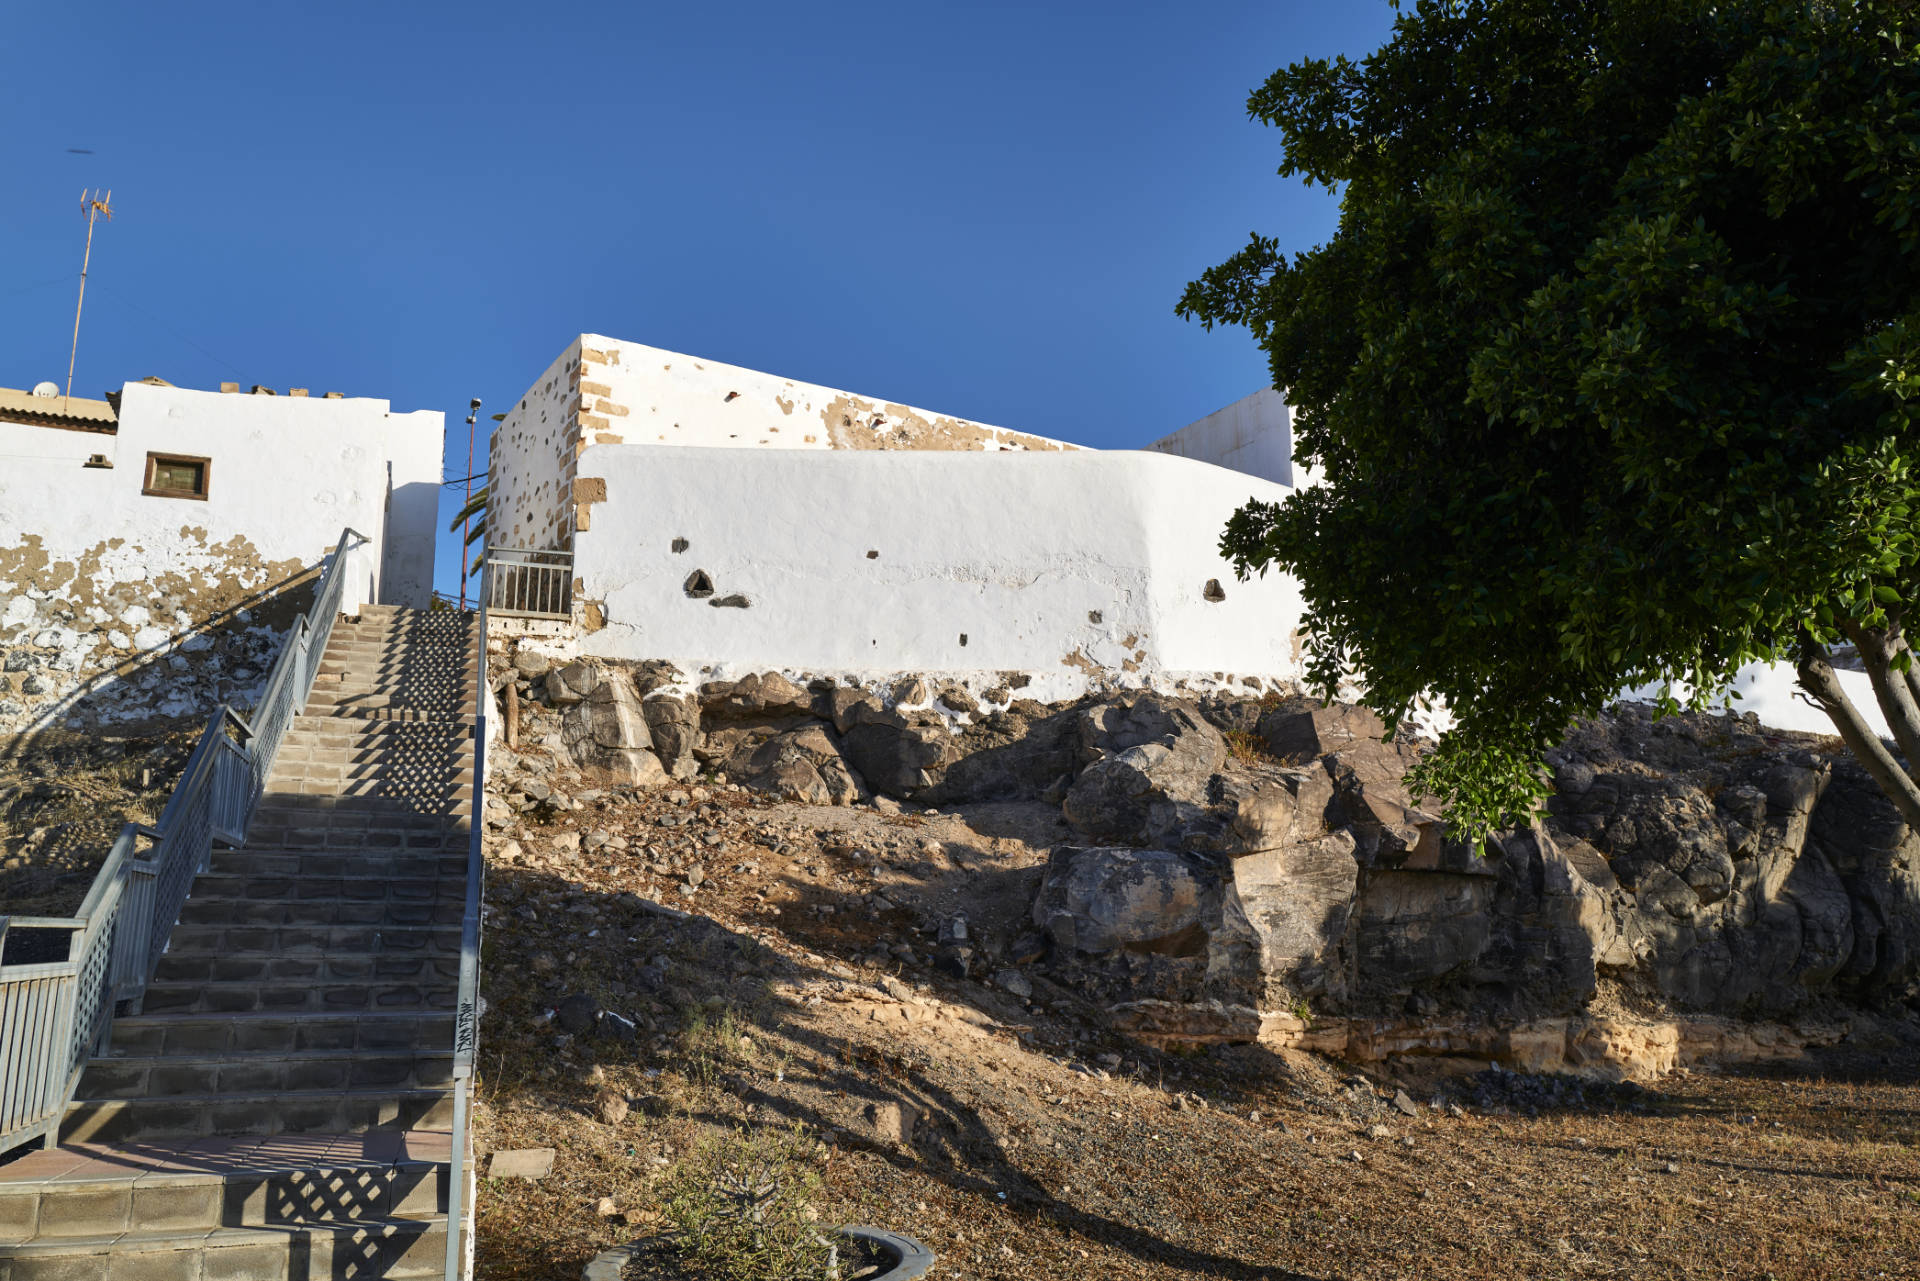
{"points": [[793, 986], [63, 798]]}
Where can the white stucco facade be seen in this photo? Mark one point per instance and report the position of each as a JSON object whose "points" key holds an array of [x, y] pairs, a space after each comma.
{"points": [[1252, 435], [1067, 568], [98, 579]]}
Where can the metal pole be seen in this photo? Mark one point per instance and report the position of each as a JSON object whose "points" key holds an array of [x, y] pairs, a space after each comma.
{"points": [[456, 1177], [93, 207], [472, 413]]}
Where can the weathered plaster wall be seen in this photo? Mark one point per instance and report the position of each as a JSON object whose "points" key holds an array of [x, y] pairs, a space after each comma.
{"points": [[531, 458], [640, 395], [1068, 568], [115, 604], [1253, 435]]}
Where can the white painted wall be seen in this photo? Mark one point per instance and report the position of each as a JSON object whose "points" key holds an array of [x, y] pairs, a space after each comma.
{"points": [[1252, 435], [94, 575], [1772, 692], [288, 473], [1068, 566]]}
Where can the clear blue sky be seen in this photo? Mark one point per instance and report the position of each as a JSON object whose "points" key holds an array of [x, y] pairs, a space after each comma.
{"points": [[983, 209]]}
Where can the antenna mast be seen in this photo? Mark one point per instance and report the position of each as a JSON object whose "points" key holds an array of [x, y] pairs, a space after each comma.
{"points": [[95, 205]]}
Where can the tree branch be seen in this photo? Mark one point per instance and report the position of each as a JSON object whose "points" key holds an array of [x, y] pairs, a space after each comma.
{"points": [[1877, 647], [1818, 679]]}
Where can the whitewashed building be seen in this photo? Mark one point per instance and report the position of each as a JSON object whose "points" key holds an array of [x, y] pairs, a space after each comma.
{"points": [[729, 520], [153, 544]]}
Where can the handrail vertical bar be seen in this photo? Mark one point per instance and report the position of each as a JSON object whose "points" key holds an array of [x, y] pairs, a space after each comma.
{"points": [[466, 1022]]}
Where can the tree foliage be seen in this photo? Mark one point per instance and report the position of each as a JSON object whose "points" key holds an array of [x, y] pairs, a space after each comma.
{"points": [[1610, 367]]}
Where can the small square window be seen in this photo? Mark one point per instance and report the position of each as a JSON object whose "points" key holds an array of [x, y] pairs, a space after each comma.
{"points": [[177, 476]]}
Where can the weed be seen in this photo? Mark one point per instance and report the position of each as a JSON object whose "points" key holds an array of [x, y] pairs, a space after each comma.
{"points": [[712, 1041], [1246, 746], [741, 1208]]}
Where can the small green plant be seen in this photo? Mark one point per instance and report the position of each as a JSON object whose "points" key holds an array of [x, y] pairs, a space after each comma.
{"points": [[712, 1040], [1246, 746], [1302, 1010], [741, 1209]]}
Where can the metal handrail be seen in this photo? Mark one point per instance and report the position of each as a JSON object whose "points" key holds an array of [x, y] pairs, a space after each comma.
{"points": [[523, 582], [466, 1018], [54, 1015]]}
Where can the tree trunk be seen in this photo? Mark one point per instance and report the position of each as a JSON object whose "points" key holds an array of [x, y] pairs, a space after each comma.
{"points": [[1817, 678], [1878, 649]]}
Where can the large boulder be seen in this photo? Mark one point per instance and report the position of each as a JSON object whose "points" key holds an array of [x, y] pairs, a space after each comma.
{"points": [[606, 731], [802, 764], [1116, 899], [673, 722], [766, 696], [1152, 761], [901, 754], [1311, 730], [1010, 756]]}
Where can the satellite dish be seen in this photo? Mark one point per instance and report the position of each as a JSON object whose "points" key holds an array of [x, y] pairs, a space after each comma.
{"points": [[46, 391]]}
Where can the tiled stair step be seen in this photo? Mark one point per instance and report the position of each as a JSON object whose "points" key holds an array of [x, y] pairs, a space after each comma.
{"points": [[164, 1076], [403, 1249], [360, 889], [179, 966], [423, 796], [435, 654], [371, 780], [387, 698], [398, 763], [367, 1031], [351, 862], [300, 730], [370, 691], [208, 1115], [396, 781], [293, 940], [318, 912], [301, 820], [429, 667], [297, 998], [377, 740], [404, 715], [88, 1191]]}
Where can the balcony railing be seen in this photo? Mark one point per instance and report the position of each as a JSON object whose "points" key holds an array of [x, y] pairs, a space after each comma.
{"points": [[520, 583]]}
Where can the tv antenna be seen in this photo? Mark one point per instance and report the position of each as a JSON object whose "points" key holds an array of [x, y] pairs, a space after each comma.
{"points": [[95, 205]]}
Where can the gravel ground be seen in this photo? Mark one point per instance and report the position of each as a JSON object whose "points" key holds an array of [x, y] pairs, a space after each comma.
{"points": [[1019, 1141]]}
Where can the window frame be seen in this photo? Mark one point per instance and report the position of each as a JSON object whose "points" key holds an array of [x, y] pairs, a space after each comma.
{"points": [[157, 460]]}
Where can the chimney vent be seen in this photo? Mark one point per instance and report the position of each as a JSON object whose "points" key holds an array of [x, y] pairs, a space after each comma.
{"points": [[296, 391], [230, 387], [258, 390]]}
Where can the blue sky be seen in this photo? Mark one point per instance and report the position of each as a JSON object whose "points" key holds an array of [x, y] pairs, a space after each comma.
{"points": [[983, 209]]}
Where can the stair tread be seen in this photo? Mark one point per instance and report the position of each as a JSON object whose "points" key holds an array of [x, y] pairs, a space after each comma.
{"points": [[220, 1157], [204, 1016]]}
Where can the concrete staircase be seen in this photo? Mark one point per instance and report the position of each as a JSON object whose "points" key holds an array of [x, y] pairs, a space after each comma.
{"points": [[281, 1104]]}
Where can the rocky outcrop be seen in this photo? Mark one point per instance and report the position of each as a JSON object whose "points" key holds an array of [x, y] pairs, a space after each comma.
{"points": [[604, 729], [1698, 863], [1740, 877]]}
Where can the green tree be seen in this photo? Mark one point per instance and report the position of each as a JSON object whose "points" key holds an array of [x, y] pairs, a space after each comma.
{"points": [[1610, 367]]}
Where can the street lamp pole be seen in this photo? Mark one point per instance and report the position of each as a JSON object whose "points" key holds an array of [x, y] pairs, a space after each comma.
{"points": [[473, 412]]}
